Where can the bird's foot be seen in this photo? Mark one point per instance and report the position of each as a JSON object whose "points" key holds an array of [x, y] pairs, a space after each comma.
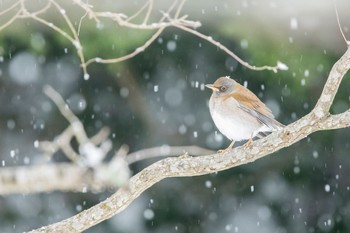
{"points": [[228, 149], [224, 151], [248, 143]]}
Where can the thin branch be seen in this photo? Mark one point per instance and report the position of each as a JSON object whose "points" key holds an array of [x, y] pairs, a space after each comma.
{"points": [[10, 8], [138, 12], [50, 25], [149, 10], [77, 126], [61, 142], [339, 25], [87, 8], [139, 49], [177, 21], [225, 49], [76, 41], [178, 11], [72, 177], [42, 10], [81, 22], [11, 20], [101, 136], [128, 56], [91, 151]]}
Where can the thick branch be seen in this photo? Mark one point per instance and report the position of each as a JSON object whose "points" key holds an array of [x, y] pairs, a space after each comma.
{"points": [[188, 166], [195, 166], [331, 87]]}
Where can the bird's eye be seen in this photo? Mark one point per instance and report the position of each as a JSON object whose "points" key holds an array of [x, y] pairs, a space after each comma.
{"points": [[222, 89]]}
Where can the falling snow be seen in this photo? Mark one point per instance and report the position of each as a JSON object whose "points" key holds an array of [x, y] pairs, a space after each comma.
{"points": [[294, 23], [30, 69], [208, 184], [155, 88], [148, 214], [182, 129], [159, 97], [244, 44], [327, 188], [86, 76], [124, 92], [252, 188], [282, 66], [171, 46]]}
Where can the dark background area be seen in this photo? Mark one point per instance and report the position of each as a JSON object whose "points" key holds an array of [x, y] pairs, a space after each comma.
{"points": [[158, 98]]}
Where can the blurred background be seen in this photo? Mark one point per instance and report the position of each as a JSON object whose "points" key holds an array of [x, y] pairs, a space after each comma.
{"points": [[158, 98]]}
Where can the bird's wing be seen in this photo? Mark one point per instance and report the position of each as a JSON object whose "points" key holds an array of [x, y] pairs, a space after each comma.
{"points": [[250, 101], [252, 105]]}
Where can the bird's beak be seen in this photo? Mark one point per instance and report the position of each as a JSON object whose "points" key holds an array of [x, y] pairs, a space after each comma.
{"points": [[211, 86]]}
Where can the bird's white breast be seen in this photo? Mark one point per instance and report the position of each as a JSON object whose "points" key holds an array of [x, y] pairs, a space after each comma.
{"points": [[232, 121]]}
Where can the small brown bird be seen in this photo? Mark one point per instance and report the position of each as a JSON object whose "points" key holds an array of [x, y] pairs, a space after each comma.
{"points": [[238, 113]]}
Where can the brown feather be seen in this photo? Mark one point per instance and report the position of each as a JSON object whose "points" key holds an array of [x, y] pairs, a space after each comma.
{"points": [[249, 100]]}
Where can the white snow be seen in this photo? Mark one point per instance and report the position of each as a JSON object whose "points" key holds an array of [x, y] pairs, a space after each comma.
{"points": [[294, 23]]}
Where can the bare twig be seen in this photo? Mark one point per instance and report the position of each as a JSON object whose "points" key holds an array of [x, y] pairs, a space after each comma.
{"points": [[10, 8], [225, 49], [138, 12], [101, 136], [10, 21], [139, 49], [61, 142], [81, 22], [77, 126], [76, 42], [50, 25], [128, 56], [339, 25], [87, 8], [38, 12], [178, 11], [181, 22], [90, 154], [149, 10]]}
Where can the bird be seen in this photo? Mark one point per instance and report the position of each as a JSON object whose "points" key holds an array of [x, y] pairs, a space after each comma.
{"points": [[238, 113]]}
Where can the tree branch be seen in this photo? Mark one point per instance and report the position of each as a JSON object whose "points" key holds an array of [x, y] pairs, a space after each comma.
{"points": [[330, 89], [178, 21], [195, 166], [76, 178]]}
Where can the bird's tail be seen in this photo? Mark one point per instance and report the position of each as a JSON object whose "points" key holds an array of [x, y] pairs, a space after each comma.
{"points": [[273, 125]]}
